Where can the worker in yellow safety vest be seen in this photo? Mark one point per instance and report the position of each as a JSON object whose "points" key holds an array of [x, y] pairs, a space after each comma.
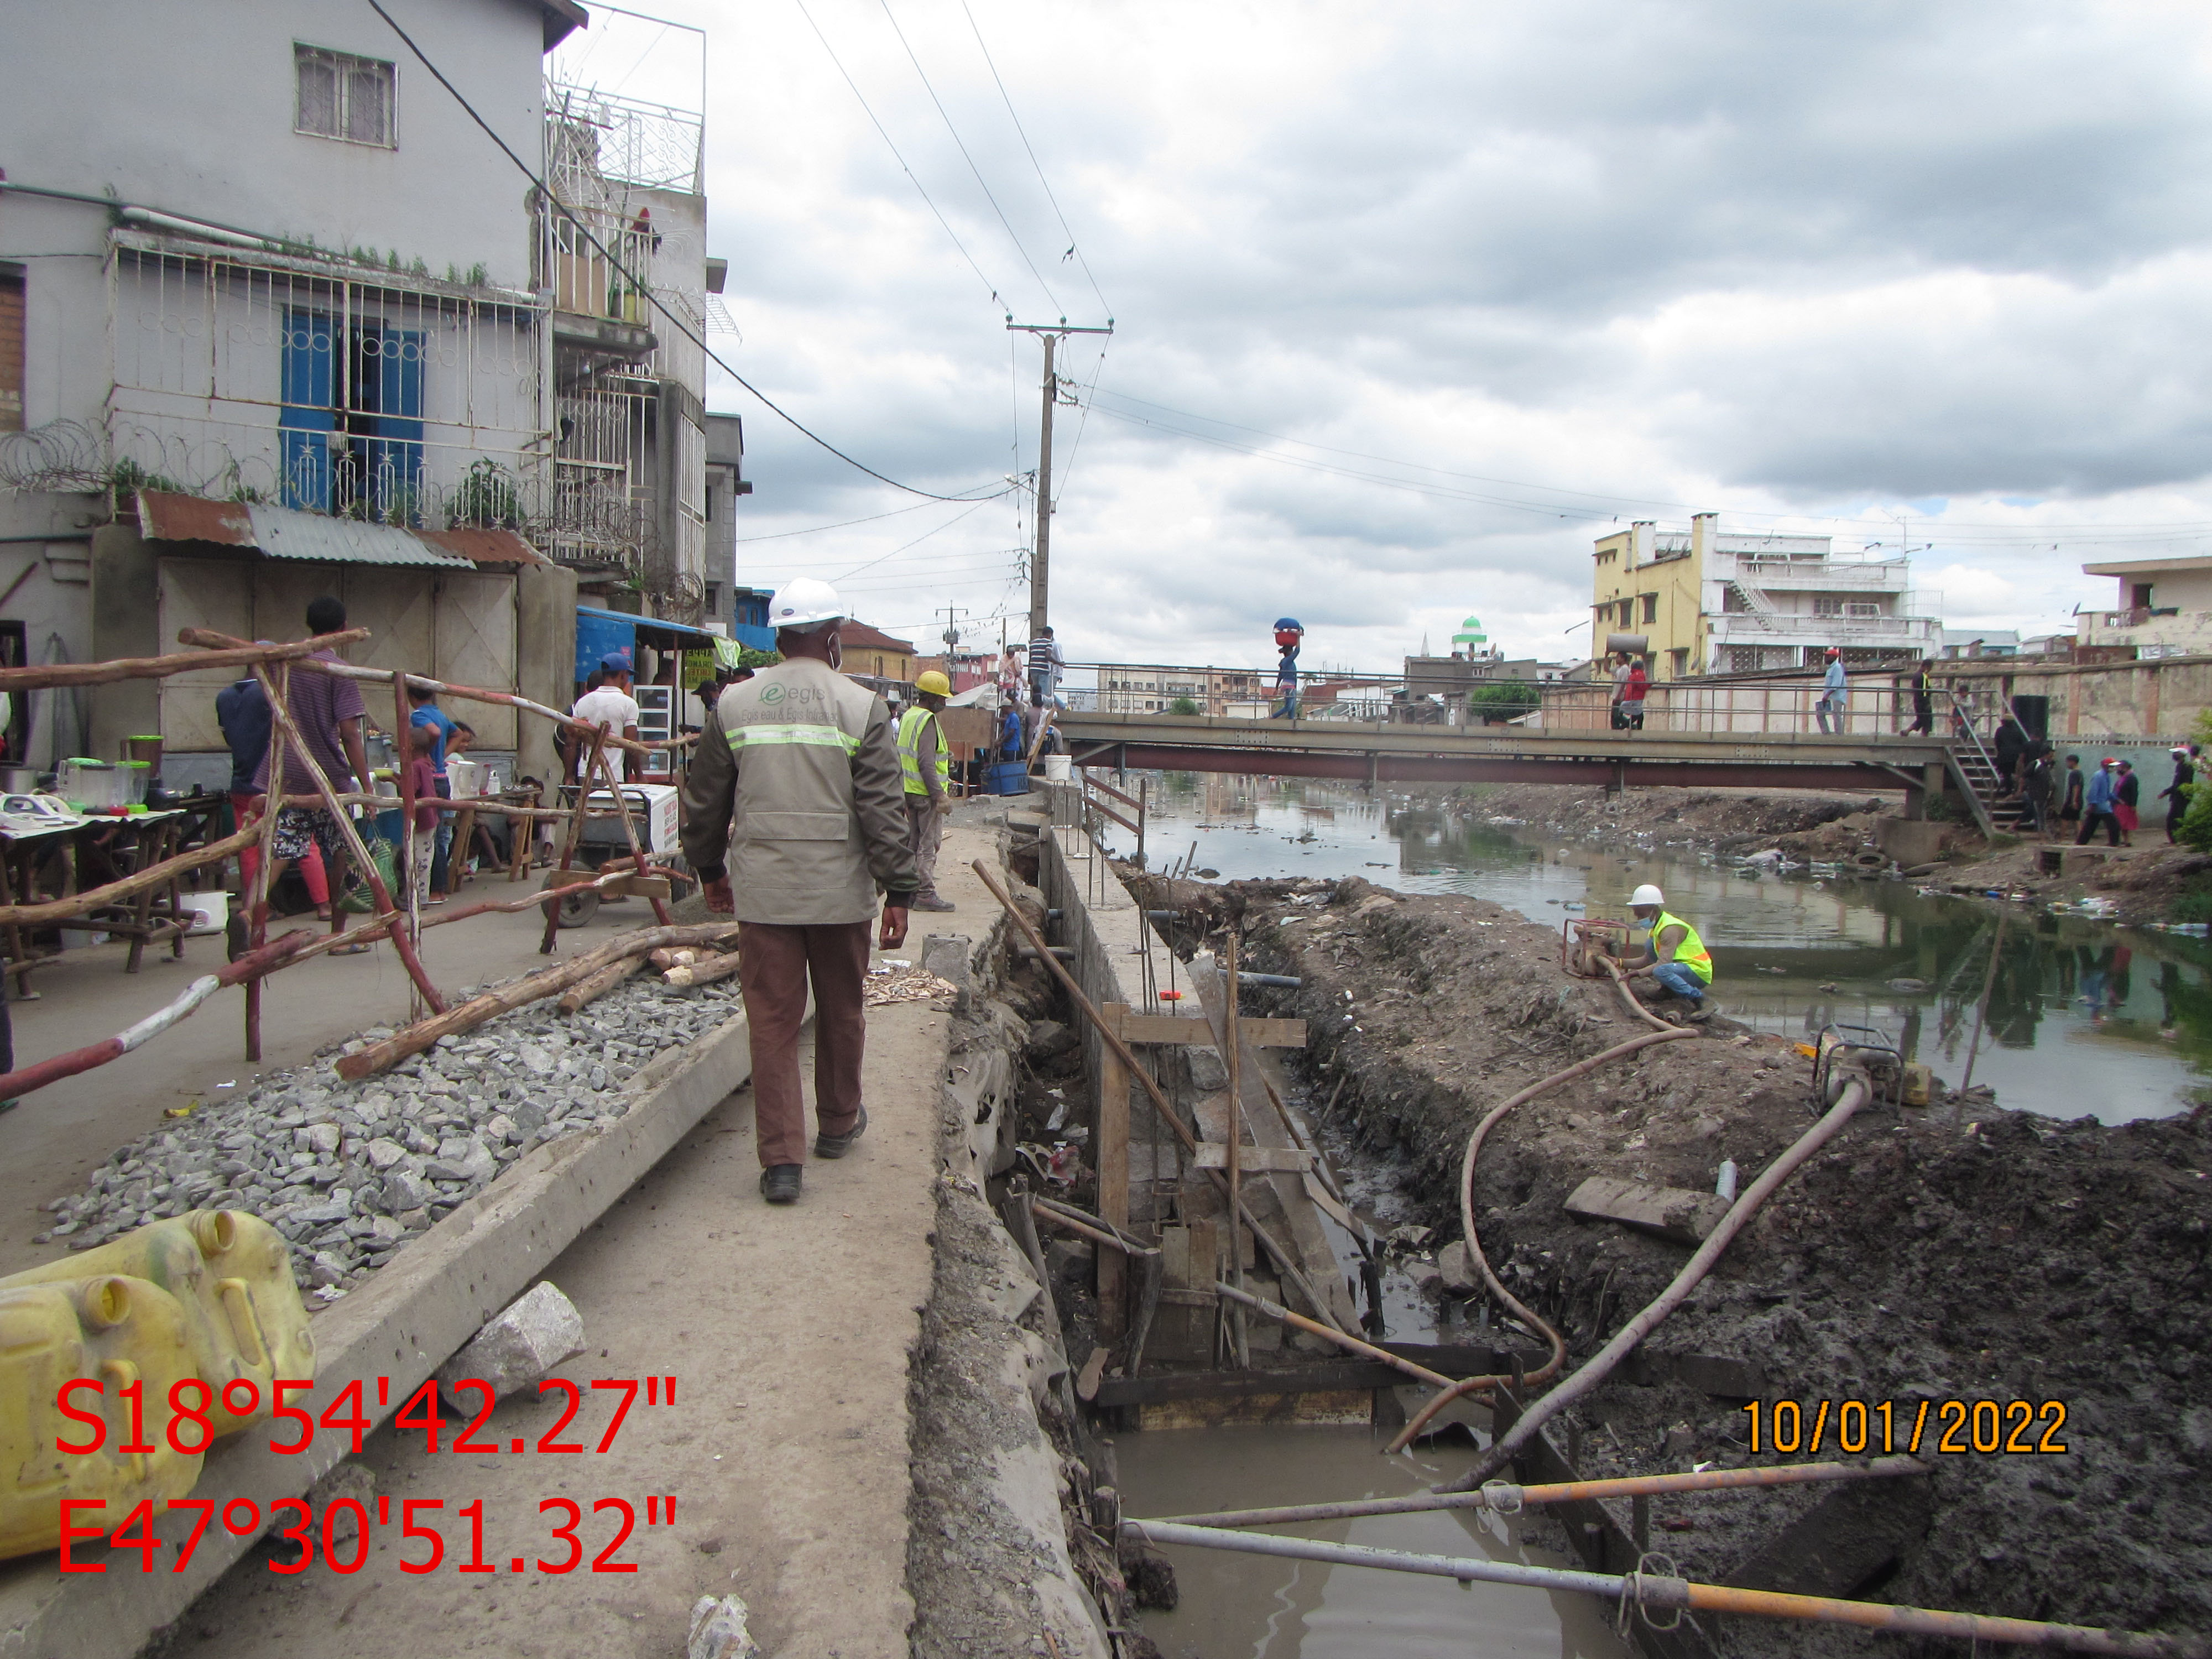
{"points": [[1673, 952], [926, 765]]}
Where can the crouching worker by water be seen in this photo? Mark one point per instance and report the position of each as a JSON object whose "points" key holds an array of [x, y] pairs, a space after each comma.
{"points": [[1672, 953], [795, 818]]}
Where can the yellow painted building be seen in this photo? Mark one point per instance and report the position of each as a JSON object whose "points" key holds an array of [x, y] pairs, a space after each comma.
{"points": [[1651, 582]]}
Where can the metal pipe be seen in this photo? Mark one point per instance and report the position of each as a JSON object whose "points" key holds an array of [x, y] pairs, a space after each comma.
{"points": [[1366, 1350], [1651, 1592], [1281, 981], [1507, 1498]]}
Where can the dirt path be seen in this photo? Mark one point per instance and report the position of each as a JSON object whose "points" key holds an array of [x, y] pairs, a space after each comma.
{"points": [[1934, 1254]]}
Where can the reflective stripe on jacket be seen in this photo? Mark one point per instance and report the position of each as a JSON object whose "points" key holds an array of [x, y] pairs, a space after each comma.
{"points": [[1690, 952], [795, 786], [911, 728]]}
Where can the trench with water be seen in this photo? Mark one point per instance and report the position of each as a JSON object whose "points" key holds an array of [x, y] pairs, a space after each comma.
{"points": [[2058, 1014]]}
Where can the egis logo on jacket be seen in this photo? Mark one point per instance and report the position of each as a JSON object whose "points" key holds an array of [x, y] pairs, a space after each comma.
{"points": [[772, 694]]}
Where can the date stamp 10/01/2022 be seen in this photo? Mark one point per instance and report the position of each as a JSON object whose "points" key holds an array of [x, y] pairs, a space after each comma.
{"points": [[340, 1534], [1788, 1427]]}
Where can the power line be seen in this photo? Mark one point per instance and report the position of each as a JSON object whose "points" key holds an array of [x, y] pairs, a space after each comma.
{"points": [[1072, 246], [1082, 418], [970, 159], [911, 176], [847, 524], [638, 282]]}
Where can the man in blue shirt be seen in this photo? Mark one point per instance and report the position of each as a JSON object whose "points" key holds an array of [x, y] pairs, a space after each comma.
{"points": [[424, 711], [1832, 694], [2102, 795]]}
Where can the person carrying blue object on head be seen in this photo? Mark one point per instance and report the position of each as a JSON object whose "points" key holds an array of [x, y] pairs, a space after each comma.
{"points": [[1672, 953], [1290, 634]]}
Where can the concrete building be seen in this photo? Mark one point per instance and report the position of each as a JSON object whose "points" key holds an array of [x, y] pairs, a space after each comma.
{"points": [[276, 267], [2161, 608], [1151, 688], [1710, 602]]}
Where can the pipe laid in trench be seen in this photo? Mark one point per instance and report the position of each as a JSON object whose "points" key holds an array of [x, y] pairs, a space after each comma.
{"points": [[1275, 1310], [1649, 1592], [1507, 1499], [1856, 1092]]}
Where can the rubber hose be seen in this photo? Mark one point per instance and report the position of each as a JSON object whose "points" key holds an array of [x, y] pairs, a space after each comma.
{"points": [[1551, 1366], [1620, 980], [1856, 1092]]}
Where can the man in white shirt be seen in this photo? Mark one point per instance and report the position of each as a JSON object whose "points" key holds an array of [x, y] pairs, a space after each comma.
{"points": [[612, 709]]}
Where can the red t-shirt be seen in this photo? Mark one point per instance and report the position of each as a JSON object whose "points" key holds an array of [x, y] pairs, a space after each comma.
{"points": [[423, 777], [1639, 683]]}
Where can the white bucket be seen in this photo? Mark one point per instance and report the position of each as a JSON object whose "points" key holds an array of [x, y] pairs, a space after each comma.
{"points": [[1056, 768], [210, 912]]}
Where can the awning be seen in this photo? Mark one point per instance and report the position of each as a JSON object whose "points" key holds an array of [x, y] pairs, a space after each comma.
{"points": [[283, 532]]}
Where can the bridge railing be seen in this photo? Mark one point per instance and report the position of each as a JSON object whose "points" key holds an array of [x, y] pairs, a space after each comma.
{"points": [[1745, 707]]}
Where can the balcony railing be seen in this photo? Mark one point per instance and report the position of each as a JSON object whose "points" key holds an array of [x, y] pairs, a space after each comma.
{"points": [[1757, 627]]}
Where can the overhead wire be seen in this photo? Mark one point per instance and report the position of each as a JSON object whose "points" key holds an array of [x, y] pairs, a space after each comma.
{"points": [[638, 283], [1082, 419], [847, 524], [1073, 246], [912, 177], [1019, 247]]}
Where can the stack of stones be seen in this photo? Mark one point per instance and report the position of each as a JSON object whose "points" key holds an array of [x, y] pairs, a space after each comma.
{"points": [[349, 1171]]}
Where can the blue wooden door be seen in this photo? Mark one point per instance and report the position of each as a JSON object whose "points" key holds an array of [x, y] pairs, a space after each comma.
{"points": [[310, 401]]}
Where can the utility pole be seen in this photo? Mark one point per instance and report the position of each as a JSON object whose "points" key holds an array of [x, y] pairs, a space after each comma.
{"points": [[1041, 563]]}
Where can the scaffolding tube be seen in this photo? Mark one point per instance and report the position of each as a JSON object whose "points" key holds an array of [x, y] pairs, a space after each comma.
{"points": [[1506, 1499], [1651, 1593]]}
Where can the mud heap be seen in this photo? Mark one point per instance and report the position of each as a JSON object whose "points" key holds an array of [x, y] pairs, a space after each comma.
{"points": [[1958, 1252]]}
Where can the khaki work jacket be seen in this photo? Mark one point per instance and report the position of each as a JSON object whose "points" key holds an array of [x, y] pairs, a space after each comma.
{"points": [[795, 786]]}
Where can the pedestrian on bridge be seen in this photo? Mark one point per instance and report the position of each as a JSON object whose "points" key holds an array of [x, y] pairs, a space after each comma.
{"points": [[925, 770], [1833, 695], [1923, 708], [1673, 952], [794, 820], [2098, 802], [1633, 690], [1045, 664]]}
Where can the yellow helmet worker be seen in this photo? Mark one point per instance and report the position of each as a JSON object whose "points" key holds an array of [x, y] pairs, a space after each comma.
{"points": [[1673, 952], [926, 768]]}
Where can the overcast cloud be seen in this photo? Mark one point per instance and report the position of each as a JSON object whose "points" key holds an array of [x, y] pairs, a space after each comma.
{"points": [[1501, 274]]}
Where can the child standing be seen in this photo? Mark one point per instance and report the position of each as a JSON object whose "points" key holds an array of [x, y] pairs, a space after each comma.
{"points": [[422, 780]]}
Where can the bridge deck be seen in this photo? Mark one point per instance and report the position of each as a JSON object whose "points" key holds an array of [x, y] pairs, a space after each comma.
{"points": [[1396, 753]]}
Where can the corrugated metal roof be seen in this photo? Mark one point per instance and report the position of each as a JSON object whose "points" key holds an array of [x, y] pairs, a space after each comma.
{"points": [[163, 517], [283, 533], [484, 546]]}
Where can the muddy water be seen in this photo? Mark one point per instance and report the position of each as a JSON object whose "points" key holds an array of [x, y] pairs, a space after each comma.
{"points": [[2062, 1015], [1241, 1605]]}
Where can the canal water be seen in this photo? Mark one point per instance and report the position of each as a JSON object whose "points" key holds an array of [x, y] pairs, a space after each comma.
{"points": [[2060, 1014]]}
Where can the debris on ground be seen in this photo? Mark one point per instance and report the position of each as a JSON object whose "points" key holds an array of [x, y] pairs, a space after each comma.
{"points": [[520, 1345], [905, 983], [718, 1629], [1950, 1254]]}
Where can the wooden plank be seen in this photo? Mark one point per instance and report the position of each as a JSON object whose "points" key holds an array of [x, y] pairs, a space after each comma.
{"points": [[1337, 1408], [1675, 1213], [1110, 1156], [1173, 1028], [1158, 1389], [1214, 1155]]}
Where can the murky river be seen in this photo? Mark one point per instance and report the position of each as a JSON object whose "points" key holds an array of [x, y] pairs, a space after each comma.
{"points": [[2062, 1015]]}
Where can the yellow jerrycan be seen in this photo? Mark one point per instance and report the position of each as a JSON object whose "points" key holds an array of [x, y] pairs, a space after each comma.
{"points": [[231, 1273], [108, 1330]]}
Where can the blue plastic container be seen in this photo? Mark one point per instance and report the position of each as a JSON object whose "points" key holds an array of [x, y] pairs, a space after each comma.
{"points": [[1007, 778]]}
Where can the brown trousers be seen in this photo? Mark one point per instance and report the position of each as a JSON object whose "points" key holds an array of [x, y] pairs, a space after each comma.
{"points": [[774, 967], [925, 833]]}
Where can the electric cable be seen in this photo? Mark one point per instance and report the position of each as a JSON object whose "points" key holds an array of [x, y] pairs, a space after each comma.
{"points": [[697, 338], [912, 177], [1073, 246], [1082, 419], [847, 524], [962, 145]]}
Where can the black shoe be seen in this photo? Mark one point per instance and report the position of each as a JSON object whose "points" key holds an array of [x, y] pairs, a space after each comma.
{"points": [[931, 902], [780, 1185], [838, 1146]]}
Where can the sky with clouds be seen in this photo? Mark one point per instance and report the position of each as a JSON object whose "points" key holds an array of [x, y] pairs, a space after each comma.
{"points": [[1410, 302]]}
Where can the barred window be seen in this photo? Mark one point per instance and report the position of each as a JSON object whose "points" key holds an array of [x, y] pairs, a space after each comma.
{"points": [[343, 96]]}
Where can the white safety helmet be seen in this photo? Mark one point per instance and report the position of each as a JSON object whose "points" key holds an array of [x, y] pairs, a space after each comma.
{"points": [[804, 603], [1647, 894]]}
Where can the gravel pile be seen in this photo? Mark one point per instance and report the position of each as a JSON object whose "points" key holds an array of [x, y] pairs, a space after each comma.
{"points": [[349, 1171]]}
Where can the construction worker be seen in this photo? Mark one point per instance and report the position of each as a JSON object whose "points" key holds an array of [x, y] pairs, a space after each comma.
{"points": [[924, 766], [1673, 952], [793, 822]]}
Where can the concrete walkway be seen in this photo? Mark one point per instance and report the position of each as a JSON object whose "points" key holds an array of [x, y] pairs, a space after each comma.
{"points": [[789, 1333]]}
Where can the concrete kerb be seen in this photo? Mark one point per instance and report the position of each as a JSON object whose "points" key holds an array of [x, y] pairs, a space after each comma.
{"points": [[414, 1314]]}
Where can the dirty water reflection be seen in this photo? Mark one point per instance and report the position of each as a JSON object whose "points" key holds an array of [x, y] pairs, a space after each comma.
{"points": [[1266, 1608], [2062, 1015]]}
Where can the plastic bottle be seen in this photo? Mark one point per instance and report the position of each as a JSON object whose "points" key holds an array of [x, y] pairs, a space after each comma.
{"points": [[1726, 1185]]}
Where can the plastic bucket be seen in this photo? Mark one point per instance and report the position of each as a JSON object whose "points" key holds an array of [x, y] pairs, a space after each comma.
{"points": [[1057, 767], [210, 912]]}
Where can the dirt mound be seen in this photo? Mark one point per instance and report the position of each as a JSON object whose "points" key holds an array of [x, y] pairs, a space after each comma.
{"points": [[1958, 1253]]}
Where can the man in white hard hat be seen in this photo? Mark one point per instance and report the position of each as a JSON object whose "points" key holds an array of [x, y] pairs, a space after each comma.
{"points": [[794, 821], [1673, 952], [926, 770]]}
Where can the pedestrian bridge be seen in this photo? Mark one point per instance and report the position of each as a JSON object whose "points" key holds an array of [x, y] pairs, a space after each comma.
{"points": [[1396, 752]]}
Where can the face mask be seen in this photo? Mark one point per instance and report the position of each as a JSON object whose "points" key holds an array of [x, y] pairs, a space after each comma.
{"points": [[836, 650]]}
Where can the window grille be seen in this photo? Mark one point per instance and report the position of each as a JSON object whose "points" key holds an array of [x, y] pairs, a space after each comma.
{"points": [[343, 96]]}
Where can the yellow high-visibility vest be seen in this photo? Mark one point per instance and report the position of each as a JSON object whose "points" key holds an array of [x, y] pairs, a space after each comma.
{"points": [[910, 751], [1690, 952]]}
